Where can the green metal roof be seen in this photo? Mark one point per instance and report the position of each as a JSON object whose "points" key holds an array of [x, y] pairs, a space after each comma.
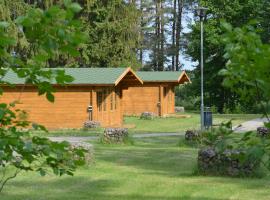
{"points": [[92, 76], [164, 76]]}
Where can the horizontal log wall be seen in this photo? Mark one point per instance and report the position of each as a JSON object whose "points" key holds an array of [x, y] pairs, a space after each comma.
{"points": [[138, 99], [69, 109]]}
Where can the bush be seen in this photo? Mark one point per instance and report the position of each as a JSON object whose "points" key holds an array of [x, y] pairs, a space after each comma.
{"points": [[189, 103], [214, 109]]}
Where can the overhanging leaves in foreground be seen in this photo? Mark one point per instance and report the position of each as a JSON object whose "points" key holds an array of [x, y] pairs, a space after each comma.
{"points": [[50, 33]]}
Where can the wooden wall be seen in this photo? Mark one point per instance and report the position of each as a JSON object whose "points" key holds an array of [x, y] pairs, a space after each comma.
{"points": [[69, 109], [138, 99], [107, 107]]}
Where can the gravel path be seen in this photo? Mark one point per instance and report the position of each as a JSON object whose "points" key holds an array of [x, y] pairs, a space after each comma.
{"points": [[245, 126], [251, 125], [89, 138]]}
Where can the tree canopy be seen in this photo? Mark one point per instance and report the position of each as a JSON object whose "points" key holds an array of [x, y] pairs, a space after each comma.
{"points": [[237, 13]]}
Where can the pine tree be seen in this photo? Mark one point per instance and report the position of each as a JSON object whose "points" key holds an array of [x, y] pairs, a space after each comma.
{"points": [[112, 27], [178, 32], [174, 13]]}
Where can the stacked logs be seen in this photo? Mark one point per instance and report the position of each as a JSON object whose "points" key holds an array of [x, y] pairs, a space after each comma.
{"points": [[179, 109], [115, 135], [263, 131], [91, 124], [87, 147], [225, 163], [147, 115], [191, 135]]}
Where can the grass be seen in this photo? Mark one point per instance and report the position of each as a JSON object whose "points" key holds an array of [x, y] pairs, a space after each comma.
{"points": [[172, 124], [71, 132], [151, 169], [156, 125]]}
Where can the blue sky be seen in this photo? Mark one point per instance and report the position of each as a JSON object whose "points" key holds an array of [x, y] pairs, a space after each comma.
{"points": [[187, 63]]}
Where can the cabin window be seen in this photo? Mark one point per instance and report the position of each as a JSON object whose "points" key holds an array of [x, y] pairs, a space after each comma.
{"points": [[104, 99], [164, 91], [112, 95], [115, 99], [99, 101]]}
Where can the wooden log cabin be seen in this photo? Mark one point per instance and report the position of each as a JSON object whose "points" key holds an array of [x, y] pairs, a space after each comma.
{"points": [[156, 95], [99, 89]]}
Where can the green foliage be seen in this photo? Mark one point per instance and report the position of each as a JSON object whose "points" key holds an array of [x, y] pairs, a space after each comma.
{"points": [[247, 70], [219, 137], [250, 149], [50, 32], [214, 109], [186, 98], [110, 27], [237, 13], [113, 34]]}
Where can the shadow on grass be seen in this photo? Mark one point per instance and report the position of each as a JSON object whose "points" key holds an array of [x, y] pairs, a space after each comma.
{"points": [[158, 156], [118, 166], [79, 188]]}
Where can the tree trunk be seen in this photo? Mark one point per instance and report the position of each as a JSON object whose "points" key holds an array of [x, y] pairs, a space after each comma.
{"points": [[141, 34], [178, 32], [157, 34], [173, 35], [162, 38]]}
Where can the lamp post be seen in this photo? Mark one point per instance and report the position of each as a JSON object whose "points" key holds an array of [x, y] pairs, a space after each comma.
{"points": [[201, 12]]}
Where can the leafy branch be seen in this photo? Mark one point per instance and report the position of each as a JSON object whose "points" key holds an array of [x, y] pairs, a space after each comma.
{"points": [[51, 32]]}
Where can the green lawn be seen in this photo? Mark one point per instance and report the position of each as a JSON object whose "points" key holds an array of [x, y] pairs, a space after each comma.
{"points": [[170, 124], [152, 169], [173, 124]]}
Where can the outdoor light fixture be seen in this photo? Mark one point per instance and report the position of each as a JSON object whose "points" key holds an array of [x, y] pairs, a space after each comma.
{"points": [[201, 12]]}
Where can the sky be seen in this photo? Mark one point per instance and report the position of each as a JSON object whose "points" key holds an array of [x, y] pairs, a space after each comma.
{"points": [[188, 18], [187, 63]]}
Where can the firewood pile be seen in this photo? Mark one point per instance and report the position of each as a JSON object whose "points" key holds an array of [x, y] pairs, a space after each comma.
{"points": [[191, 135], [225, 163], [91, 124], [263, 131], [115, 135], [89, 154], [147, 115]]}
